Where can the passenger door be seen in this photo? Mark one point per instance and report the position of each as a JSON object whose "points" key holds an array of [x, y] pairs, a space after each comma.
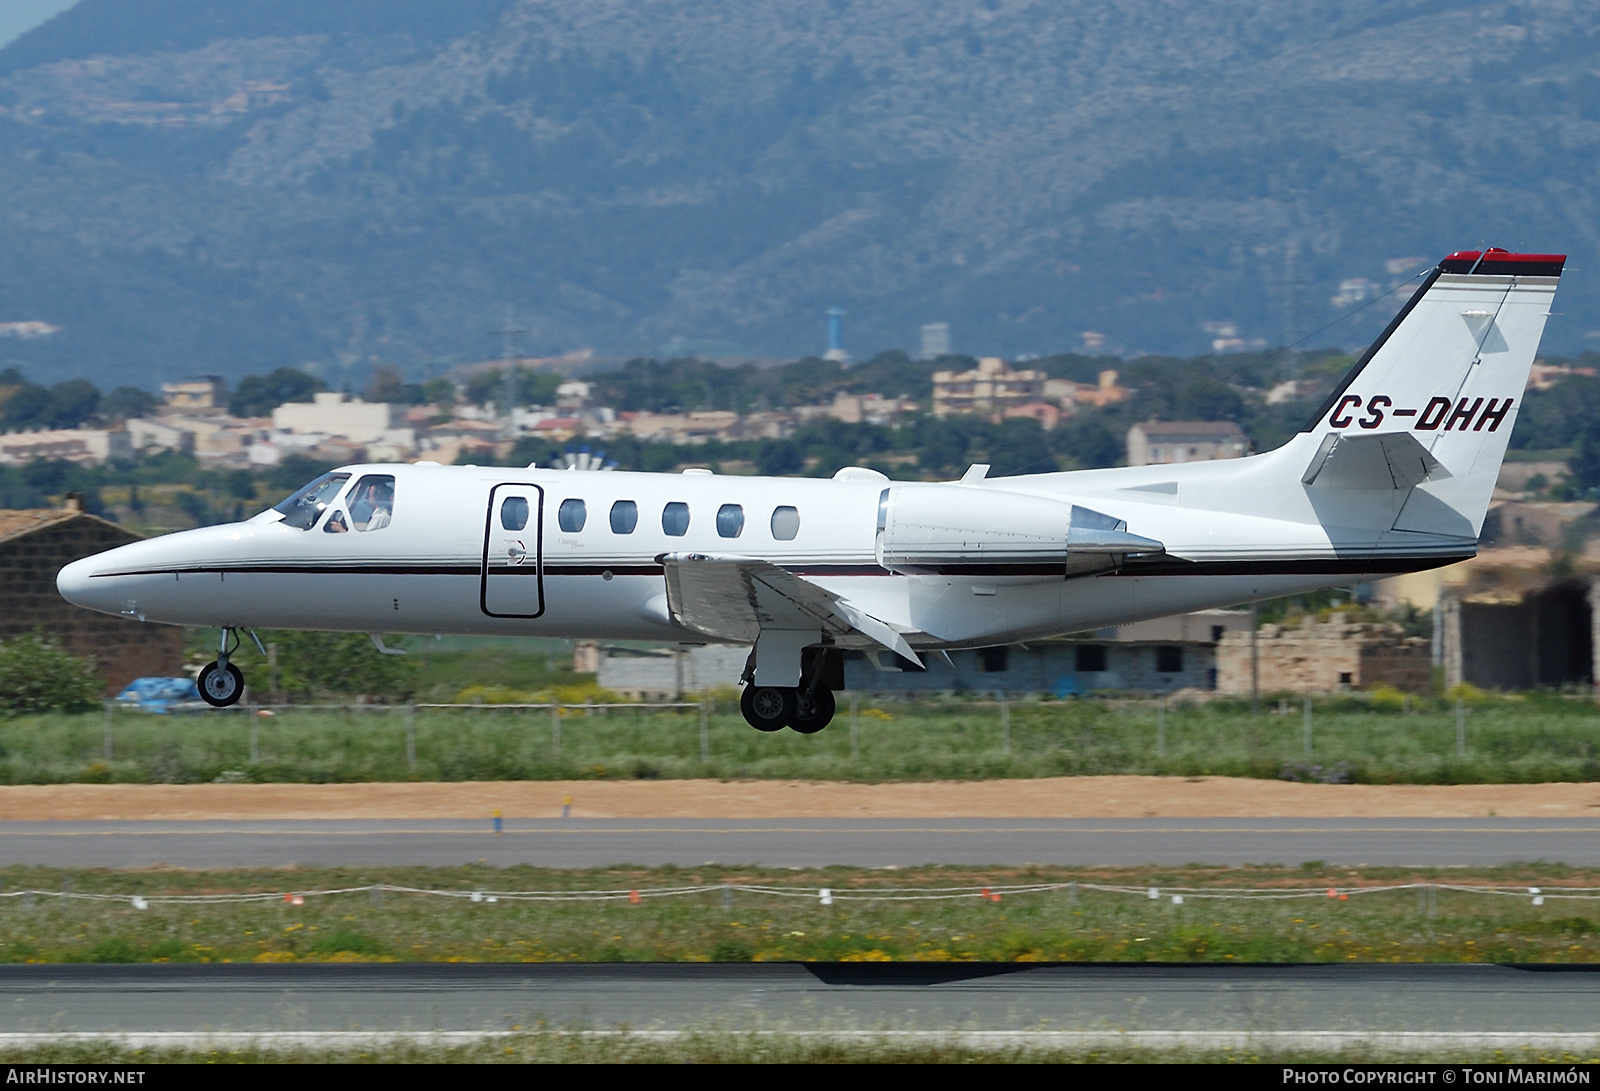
{"points": [[513, 554]]}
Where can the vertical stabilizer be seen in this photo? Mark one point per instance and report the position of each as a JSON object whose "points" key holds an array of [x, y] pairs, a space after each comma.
{"points": [[1449, 374]]}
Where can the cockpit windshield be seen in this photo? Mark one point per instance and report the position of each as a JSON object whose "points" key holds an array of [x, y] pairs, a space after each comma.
{"points": [[304, 508]]}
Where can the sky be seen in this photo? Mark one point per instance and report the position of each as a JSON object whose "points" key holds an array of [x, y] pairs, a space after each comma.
{"points": [[17, 16]]}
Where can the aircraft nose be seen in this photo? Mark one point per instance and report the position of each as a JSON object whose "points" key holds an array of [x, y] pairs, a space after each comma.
{"points": [[77, 584]]}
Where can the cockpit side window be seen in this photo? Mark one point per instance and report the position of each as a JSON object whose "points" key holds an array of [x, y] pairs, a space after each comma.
{"points": [[371, 502], [304, 508]]}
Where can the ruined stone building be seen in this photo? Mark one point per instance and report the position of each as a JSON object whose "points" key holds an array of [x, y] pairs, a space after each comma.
{"points": [[1324, 657]]}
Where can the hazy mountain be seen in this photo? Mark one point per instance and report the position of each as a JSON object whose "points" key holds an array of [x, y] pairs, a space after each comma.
{"points": [[225, 185]]}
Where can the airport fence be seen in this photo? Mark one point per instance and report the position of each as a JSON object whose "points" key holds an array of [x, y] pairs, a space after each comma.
{"points": [[1350, 738]]}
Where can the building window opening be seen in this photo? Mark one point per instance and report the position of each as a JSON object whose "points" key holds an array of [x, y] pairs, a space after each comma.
{"points": [[785, 523], [624, 517], [571, 515], [994, 660], [675, 519], [1091, 658], [1169, 659], [730, 521], [514, 512]]}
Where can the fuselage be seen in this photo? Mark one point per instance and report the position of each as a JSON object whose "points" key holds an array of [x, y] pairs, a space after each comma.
{"points": [[498, 551]]}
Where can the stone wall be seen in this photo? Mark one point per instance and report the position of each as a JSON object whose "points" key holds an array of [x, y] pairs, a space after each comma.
{"points": [[123, 649], [1325, 657]]}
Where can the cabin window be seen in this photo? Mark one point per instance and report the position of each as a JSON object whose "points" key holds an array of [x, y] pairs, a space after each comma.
{"points": [[304, 508], [371, 502], [785, 523], [1169, 659], [336, 524], [1091, 658], [571, 515], [514, 512], [624, 517], [730, 521], [675, 519]]}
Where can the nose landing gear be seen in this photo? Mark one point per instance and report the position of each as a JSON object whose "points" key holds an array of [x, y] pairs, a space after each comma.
{"points": [[221, 683]]}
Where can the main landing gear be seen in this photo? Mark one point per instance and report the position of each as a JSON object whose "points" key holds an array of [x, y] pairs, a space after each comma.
{"points": [[221, 683], [773, 708]]}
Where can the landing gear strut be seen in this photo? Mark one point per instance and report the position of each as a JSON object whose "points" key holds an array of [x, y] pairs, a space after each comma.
{"points": [[221, 683]]}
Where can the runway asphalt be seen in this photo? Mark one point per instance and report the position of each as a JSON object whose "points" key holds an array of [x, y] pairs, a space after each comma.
{"points": [[579, 843], [1214, 1003]]}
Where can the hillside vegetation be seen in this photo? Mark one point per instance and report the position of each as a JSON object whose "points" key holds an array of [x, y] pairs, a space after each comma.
{"points": [[231, 185]]}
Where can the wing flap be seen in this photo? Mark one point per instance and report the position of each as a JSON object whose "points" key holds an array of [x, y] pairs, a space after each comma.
{"points": [[734, 598]]}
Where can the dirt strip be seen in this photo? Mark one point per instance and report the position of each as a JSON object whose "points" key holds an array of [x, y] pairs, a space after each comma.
{"points": [[1060, 797]]}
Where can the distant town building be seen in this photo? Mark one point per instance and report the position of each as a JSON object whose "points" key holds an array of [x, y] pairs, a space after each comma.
{"points": [[34, 546], [203, 393], [836, 350], [1154, 443], [85, 446], [989, 389], [27, 331], [1105, 391], [370, 424], [1543, 376], [935, 341]]}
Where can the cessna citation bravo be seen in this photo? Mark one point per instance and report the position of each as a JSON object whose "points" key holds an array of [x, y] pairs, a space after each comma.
{"points": [[1393, 474]]}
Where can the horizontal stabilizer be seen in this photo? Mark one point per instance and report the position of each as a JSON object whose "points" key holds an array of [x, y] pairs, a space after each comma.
{"points": [[734, 598], [1393, 460]]}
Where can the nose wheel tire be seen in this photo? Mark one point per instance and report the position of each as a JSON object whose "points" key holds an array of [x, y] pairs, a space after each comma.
{"points": [[767, 708], [813, 711], [220, 686]]}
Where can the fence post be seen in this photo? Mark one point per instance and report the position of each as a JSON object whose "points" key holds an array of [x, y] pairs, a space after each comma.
{"points": [[1461, 728], [411, 735], [1308, 725], [705, 733], [110, 708], [555, 730], [855, 734], [1161, 726]]}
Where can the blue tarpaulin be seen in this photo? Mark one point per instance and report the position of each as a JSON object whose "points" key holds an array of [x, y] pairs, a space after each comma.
{"points": [[159, 694]]}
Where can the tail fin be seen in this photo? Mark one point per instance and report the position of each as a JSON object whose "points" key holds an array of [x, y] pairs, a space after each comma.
{"points": [[1432, 403]]}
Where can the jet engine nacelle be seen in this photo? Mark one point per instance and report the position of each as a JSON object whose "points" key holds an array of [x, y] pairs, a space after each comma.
{"points": [[946, 527]]}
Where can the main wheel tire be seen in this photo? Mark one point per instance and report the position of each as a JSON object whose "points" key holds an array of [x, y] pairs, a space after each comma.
{"points": [[767, 708], [221, 686], [813, 711]]}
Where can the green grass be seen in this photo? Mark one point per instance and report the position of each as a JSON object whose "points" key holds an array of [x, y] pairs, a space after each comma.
{"points": [[1511, 739], [1071, 925]]}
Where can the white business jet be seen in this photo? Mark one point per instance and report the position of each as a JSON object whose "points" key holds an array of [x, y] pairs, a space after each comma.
{"points": [[1393, 474]]}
